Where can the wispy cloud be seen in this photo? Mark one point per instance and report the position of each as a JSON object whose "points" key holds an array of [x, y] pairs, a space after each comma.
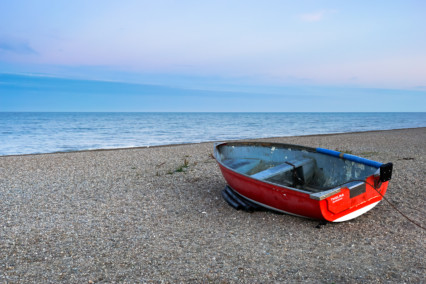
{"points": [[15, 45], [316, 16]]}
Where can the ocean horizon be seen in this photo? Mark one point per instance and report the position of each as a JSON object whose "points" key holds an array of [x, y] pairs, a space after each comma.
{"points": [[49, 132]]}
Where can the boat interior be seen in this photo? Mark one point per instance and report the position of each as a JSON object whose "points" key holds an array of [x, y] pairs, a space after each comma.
{"points": [[296, 167]]}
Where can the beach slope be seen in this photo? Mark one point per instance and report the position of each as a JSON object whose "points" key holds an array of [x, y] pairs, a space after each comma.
{"points": [[156, 214]]}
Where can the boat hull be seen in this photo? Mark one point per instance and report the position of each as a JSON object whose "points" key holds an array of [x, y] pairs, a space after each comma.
{"points": [[338, 207]]}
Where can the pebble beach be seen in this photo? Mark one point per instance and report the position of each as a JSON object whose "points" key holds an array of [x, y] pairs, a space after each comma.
{"points": [[156, 215]]}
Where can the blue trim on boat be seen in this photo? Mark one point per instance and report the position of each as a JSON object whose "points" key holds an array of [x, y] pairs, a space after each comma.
{"points": [[349, 157], [328, 152]]}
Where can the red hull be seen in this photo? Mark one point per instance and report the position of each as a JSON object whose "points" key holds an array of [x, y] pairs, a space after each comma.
{"points": [[335, 208]]}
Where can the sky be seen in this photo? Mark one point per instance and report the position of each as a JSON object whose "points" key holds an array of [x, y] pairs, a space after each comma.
{"points": [[212, 55]]}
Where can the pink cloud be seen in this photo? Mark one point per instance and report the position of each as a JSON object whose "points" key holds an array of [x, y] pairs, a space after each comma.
{"points": [[315, 16]]}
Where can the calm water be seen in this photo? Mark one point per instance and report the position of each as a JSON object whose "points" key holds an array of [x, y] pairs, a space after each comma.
{"points": [[27, 133]]}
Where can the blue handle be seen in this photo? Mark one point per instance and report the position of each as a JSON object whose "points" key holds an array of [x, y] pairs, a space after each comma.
{"points": [[349, 157]]}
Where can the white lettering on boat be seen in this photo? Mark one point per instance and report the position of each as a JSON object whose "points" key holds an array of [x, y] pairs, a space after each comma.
{"points": [[337, 198]]}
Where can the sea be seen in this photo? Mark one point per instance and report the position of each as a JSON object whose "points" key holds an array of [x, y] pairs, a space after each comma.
{"points": [[48, 132]]}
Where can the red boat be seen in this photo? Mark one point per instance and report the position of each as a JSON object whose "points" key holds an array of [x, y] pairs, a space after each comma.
{"points": [[309, 182]]}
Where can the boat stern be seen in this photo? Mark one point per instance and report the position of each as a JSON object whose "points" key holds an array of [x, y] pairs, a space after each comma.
{"points": [[352, 200]]}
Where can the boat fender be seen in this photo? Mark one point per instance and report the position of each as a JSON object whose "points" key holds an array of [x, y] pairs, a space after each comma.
{"points": [[245, 205], [230, 201]]}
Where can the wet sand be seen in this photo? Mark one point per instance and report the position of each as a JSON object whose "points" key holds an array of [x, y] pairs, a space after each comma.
{"points": [[138, 215]]}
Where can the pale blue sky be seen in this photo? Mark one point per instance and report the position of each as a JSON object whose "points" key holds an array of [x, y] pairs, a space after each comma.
{"points": [[221, 52]]}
